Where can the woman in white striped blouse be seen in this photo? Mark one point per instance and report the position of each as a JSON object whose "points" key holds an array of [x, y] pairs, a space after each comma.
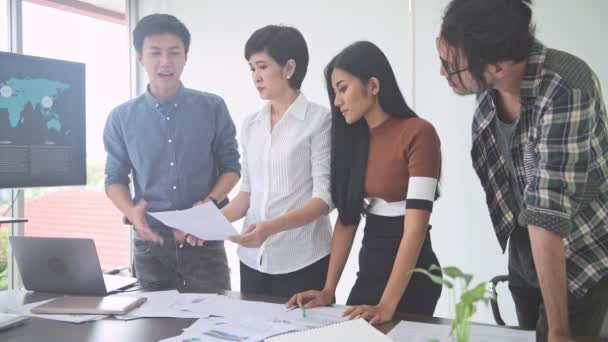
{"points": [[285, 190]]}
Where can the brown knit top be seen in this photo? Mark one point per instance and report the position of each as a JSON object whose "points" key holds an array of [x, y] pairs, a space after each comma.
{"points": [[404, 162]]}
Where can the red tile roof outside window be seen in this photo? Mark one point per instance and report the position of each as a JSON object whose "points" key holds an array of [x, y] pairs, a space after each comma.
{"points": [[81, 213]]}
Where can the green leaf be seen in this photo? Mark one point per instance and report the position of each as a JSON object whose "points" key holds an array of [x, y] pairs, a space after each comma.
{"points": [[434, 268], [455, 272], [475, 294], [435, 278]]}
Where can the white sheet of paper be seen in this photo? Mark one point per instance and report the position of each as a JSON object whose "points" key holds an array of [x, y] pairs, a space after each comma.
{"points": [[315, 317], [237, 309], [222, 329], [357, 330], [232, 308], [265, 314], [170, 304], [203, 221], [251, 319], [423, 332]]}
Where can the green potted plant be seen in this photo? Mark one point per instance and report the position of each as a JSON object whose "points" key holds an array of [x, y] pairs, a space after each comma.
{"points": [[459, 284]]}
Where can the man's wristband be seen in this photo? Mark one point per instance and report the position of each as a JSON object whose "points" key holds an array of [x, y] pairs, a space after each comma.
{"points": [[216, 202]]}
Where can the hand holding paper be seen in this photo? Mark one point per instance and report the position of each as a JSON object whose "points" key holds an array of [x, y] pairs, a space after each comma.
{"points": [[253, 237], [203, 221]]}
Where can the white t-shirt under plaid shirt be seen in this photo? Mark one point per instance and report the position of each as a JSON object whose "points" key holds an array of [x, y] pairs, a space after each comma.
{"points": [[282, 168]]}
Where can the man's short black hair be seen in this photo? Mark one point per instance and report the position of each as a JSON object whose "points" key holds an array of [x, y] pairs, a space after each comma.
{"points": [[154, 24], [282, 43]]}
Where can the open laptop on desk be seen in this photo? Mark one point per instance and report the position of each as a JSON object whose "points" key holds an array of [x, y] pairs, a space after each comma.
{"points": [[63, 265]]}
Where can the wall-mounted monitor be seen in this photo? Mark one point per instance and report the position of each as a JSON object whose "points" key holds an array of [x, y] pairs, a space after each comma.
{"points": [[42, 122]]}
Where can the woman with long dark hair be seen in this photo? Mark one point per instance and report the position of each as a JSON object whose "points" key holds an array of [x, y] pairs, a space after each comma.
{"points": [[385, 164]]}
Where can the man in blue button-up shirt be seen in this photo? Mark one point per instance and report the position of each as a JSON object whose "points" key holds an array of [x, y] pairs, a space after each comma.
{"points": [[179, 146]]}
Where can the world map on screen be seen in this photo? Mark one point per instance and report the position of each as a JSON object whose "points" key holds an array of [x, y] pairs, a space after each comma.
{"points": [[40, 93]]}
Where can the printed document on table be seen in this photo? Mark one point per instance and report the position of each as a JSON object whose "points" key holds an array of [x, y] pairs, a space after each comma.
{"points": [[251, 321], [222, 329], [423, 332], [203, 221], [241, 310], [170, 304]]}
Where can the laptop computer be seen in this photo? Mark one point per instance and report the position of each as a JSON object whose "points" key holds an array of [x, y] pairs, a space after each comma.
{"points": [[63, 265]]}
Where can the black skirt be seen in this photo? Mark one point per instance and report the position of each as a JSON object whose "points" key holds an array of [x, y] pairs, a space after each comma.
{"points": [[381, 240]]}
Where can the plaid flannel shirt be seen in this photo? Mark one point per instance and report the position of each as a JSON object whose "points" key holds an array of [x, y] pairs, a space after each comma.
{"points": [[560, 156]]}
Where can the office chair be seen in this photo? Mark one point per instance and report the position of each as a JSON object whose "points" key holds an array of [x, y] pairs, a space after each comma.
{"points": [[494, 302]]}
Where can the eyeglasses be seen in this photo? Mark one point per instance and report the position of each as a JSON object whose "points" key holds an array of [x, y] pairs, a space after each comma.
{"points": [[446, 66]]}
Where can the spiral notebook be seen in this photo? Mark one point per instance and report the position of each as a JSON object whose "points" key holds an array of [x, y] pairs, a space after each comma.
{"points": [[352, 331]]}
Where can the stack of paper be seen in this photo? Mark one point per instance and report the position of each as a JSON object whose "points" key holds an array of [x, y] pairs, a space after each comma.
{"points": [[252, 321]]}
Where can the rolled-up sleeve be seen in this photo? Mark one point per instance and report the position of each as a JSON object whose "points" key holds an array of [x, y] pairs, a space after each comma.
{"points": [[321, 159], [225, 147], [563, 150], [118, 165]]}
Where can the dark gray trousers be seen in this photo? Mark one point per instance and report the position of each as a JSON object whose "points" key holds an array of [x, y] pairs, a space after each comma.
{"points": [[170, 266]]}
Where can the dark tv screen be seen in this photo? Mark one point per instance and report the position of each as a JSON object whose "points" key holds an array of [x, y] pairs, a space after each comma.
{"points": [[42, 122]]}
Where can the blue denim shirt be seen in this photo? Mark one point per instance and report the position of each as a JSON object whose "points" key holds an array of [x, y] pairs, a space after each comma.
{"points": [[174, 150]]}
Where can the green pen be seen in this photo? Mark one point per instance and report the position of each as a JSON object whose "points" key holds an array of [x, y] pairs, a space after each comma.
{"points": [[303, 312]]}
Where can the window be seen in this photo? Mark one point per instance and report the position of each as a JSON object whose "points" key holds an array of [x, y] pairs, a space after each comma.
{"points": [[4, 194], [97, 37], [4, 211], [4, 26]]}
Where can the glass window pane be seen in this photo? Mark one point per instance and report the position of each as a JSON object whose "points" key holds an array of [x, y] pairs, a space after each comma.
{"points": [[4, 25], [99, 39], [4, 203], [4, 194]]}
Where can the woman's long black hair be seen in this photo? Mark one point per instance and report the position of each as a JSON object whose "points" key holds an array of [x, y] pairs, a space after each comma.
{"points": [[350, 143]]}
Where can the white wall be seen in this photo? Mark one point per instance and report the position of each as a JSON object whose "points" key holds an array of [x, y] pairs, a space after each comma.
{"points": [[578, 27], [462, 233], [220, 30]]}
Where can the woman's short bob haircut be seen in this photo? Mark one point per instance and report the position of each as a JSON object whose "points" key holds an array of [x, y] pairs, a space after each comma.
{"points": [[282, 43]]}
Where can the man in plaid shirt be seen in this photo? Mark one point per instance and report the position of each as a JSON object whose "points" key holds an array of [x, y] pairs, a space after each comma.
{"points": [[540, 149]]}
